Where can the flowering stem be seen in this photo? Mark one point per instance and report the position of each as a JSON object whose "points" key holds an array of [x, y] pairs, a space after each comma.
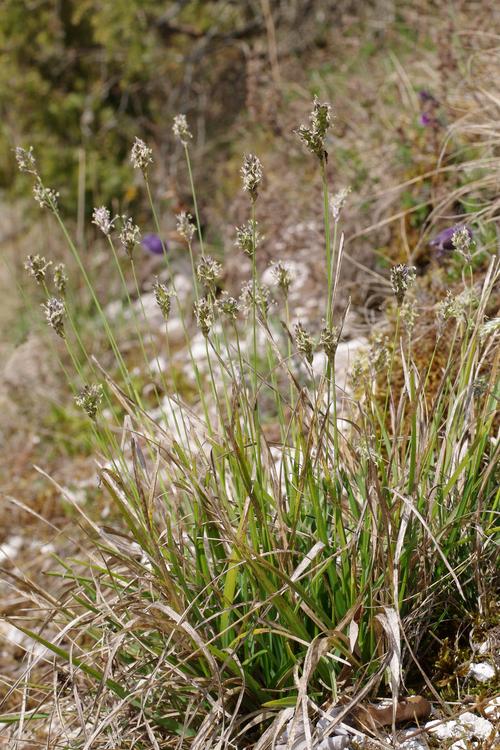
{"points": [[196, 371], [109, 333], [326, 218], [330, 373], [257, 431], [391, 365], [195, 202]]}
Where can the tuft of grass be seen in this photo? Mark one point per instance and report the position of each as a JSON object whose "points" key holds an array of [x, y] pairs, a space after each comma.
{"points": [[243, 580]]}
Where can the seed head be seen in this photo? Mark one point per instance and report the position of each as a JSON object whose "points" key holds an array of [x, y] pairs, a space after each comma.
{"points": [[283, 276], [409, 315], [463, 243], [457, 307], [248, 238], [54, 313], [313, 135], [141, 155], [185, 226], [102, 219], [402, 278], [443, 241], [490, 328], [130, 235], [304, 343], [329, 341], [251, 172], [25, 160], [181, 130], [359, 370], [36, 265], [60, 278], [203, 310], [228, 306], [379, 355], [163, 297], [261, 297], [337, 202], [45, 197], [89, 399], [208, 271]]}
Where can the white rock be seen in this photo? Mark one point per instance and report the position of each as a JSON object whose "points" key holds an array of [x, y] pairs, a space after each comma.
{"points": [[414, 743], [319, 363], [334, 743], [10, 548], [147, 312], [482, 671], [460, 745], [492, 709], [114, 309], [467, 726], [199, 349], [476, 726], [175, 331], [183, 286]]}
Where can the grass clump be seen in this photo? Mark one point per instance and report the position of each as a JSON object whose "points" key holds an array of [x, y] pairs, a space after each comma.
{"points": [[243, 580]]}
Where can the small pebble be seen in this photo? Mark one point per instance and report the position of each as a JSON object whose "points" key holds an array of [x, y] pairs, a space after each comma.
{"points": [[483, 671]]}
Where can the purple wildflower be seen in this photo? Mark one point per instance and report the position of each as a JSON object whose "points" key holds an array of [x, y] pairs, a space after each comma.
{"points": [[443, 240], [153, 244], [426, 96], [429, 106]]}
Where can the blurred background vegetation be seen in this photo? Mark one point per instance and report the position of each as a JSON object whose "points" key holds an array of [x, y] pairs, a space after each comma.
{"points": [[80, 78]]}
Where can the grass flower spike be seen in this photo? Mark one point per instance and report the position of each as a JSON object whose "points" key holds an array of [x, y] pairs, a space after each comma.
{"points": [[337, 202], [463, 243], [45, 197], [208, 271], [102, 219], [89, 399], [329, 341], [402, 278], [25, 160], [251, 173], [185, 226], [260, 297], [141, 155], [181, 129], [37, 265], [304, 343], [248, 238], [228, 306], [60, 278], [203, 311], [283, 276], [313, 135], [54, 313], [130, 236], [163, 297]]}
